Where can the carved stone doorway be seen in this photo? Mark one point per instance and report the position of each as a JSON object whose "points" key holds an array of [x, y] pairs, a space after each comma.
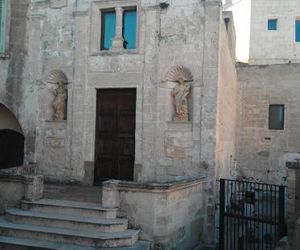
{"points": [[115, 134]]}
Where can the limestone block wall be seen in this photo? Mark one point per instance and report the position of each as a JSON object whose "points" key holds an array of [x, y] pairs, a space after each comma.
{"points": [[19, 183], [228, 96], [193, 43], [161, 46], [50, 48], [293, 182], [262, 153], [268, 47], [293, 203], [17, 96], [170, 215]]}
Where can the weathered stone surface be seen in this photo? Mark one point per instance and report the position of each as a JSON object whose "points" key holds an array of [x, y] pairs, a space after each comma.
{"points": [[34, 187], [19, 183], [55, 4], [263, 153], [65, 35], [170, 214]]}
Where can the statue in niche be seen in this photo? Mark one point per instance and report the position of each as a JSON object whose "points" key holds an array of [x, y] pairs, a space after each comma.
{"points": [[59, 102], [180, 93]]}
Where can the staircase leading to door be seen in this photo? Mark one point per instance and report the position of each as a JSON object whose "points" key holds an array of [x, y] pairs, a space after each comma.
{"points": [[66, 225]]}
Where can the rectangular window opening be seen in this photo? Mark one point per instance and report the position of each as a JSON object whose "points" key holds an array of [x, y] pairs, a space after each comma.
{"points": [[108, 29], [129, 28], [272, 24], [297, 30], [2, 25], [276, 116]]}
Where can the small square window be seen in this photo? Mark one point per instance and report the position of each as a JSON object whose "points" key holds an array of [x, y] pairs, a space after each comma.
{"points": [[297, 30], [108, 29], [129, 29], [276, 116], [272, 24]]}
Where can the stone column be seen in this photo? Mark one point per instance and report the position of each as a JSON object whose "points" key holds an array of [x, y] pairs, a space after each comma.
{"points": [[118, 41]]}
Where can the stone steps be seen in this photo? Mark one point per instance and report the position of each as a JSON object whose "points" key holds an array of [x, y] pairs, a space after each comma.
{"points": [[70, 207], [66, 221], [63, 235], [12, 243], [66, 225]]}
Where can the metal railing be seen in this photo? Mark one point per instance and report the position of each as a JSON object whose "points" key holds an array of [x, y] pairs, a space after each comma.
{"points": [[252, 215]]}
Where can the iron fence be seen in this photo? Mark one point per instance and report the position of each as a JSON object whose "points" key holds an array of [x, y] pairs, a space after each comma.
{"points": [[252, 215]]}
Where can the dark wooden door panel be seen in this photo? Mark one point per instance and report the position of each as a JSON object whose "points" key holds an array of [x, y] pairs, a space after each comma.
{"points": [[115, 134], [126, 171], [126, 146]]}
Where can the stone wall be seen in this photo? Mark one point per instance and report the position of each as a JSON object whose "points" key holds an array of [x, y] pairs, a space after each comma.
{"points": [[18, 97], [293, 189], [293, 203], [228, 90], [170, 215], [19, 183], [262, 153], [51, 46]]}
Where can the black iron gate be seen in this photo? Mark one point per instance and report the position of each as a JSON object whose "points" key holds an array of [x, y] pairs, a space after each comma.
{"points": [[252, 215]]}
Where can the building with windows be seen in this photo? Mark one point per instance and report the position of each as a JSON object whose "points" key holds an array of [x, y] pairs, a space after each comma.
{"points": [[267, 31], [126, 90], [268, 79], [145, 97]]}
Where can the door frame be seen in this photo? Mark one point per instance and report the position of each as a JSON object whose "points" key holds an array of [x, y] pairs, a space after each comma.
{"points": [[98, 90]]}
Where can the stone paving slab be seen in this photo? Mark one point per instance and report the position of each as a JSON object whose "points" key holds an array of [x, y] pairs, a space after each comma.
{"points": [[63, 217], [13, 243], [72, 204], [68, 232]]}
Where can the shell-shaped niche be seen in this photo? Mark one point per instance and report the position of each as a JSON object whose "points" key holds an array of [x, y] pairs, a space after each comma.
{"points": [[55, 98], [179, 72], [56, 76]]}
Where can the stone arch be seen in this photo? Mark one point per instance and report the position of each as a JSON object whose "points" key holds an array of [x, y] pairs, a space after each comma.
{"points": [[53, 80], [11, 139]]}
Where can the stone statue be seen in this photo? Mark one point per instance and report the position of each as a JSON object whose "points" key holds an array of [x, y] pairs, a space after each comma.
{"points": [[59, 102], [180, 94]]}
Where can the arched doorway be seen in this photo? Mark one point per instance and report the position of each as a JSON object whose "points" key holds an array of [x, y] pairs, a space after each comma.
{"points": [[11, 139]]}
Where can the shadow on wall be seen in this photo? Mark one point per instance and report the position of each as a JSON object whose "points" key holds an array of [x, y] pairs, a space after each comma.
{"points": [[11, 140]]}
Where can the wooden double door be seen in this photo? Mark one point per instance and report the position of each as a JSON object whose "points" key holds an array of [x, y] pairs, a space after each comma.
{"points": [[115, 134]]}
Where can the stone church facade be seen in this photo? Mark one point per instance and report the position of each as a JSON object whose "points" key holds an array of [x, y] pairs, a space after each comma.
{"points": [[80, 107], [62, 43]]}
